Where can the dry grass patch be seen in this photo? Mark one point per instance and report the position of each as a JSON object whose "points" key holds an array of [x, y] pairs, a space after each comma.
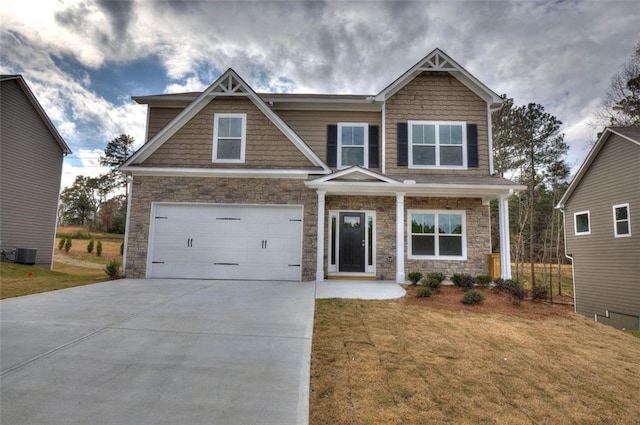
{"points": [[396, 362]]}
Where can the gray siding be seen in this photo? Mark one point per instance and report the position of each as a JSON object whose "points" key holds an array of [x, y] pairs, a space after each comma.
{"points": [[606, 268], [30, 170]]}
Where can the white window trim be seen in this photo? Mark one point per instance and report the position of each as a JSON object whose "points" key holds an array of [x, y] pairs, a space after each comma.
{"points": [[437, 213], [243, 138], [365, 147], [437, 145], [575, 223], [615, 222]]}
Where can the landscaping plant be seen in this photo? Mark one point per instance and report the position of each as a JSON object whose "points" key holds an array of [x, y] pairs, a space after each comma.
{"points": [[423, 292], [436, 275], [472, 297], [484, 280], [67, 245], [467, 282], [99, 249], [90, 246], [112, 269], [539, 293], [432, 283], [61, 243], [415, 277]]}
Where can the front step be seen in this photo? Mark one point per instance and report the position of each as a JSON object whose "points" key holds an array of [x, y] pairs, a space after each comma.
{"points": [[338, 277]]}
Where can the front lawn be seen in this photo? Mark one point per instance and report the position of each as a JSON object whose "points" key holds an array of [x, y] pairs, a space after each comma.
{"points": [[431, 361]]}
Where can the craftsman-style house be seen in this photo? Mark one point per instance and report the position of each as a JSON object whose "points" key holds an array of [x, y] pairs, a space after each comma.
{"points": [[234, 184]]}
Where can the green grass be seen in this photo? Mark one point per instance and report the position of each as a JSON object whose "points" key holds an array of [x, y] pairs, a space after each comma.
{"points": [[633, 332], [17, 279]]}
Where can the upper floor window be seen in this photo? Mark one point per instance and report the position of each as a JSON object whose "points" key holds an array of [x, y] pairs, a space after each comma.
{"points": [[437, 144], [621, 220], [229, 137], [582, 223], [353, 145], [436, 234]]}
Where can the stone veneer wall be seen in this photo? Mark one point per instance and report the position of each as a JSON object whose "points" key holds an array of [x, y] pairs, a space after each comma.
{"points": [[477, 225], [216, 190]]}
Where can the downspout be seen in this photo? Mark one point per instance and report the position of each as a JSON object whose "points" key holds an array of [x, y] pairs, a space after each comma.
{"points": [[573, 273], [384, 137]]}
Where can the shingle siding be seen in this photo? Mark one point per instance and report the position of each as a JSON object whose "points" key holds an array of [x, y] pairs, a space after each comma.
{"points": [[30, 171], [158, 118], [606, 268]]}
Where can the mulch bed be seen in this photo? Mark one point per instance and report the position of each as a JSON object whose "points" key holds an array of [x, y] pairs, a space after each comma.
{"points": [[449, 298]]}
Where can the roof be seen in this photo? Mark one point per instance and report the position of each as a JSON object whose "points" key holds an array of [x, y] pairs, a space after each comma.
{"points": [[228, 84], [631, 134], [36, 105]]}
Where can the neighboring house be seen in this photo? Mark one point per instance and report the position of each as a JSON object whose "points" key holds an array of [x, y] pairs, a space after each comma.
{"points": [[31, 154], [602, 229], [234, 184]]}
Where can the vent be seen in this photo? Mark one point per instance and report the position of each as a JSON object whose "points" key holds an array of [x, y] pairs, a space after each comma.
{"points": [[26, 256]]}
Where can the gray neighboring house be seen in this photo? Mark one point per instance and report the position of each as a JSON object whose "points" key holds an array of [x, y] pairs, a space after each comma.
{"points": [[31, 154], [602, 229]]}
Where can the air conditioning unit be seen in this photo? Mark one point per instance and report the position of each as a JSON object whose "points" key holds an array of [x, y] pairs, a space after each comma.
{"points": [[26, 255]]}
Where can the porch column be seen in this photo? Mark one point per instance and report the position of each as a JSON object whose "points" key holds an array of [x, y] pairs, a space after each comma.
{"points": [[505, 245], [400, 238], [320, 243]]}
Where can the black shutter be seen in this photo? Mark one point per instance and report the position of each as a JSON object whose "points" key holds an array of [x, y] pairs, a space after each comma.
{"points": [[374, 161], [403, 144], [472, 145], [332, 145]]}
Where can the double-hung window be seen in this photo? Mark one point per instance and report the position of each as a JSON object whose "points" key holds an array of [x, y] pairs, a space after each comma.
{"points": [[229, 137], [437, 234], [582, 223], [353, 145], [437, 144], [621, 221]]}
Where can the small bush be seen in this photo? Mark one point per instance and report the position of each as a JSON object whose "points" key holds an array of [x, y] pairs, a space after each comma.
{"points": [[112, 269], [122, 248], [90, 246], [467, 282], [484, 280], [456, 279], [436, 275], [539, 293], [61, 243], [423, 292], [472, 297], [99, 249], [415, 277], [67, 245], [432, 283], [517, 294], [499, 285]]}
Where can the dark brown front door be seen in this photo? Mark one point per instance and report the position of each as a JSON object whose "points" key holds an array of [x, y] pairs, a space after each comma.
{"points": [[352, 242]]}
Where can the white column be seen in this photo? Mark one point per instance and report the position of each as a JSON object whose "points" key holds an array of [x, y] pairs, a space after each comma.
{"points": [[505, 245], [400, 238], [320, 243]]}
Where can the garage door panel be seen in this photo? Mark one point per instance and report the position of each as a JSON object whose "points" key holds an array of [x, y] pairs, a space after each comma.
{"points": [[226, 242]]}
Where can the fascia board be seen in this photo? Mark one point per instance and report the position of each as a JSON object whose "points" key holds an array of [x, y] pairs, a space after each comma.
{"points": [[354, 170], [217, 172], [386, 189]]}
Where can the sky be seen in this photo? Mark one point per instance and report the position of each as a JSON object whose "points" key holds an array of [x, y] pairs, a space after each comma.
{"points": [[85, 59]]}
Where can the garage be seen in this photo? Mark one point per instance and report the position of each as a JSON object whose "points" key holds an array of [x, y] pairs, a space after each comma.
{"points": [[225, 241]]}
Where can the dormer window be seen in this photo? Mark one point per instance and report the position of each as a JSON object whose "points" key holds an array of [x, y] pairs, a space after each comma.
{"points": [[353, 142], [229, 137], [434, 144]]}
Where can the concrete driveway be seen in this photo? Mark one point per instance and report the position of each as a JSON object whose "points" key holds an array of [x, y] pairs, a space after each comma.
{"points": [[158, 352]]}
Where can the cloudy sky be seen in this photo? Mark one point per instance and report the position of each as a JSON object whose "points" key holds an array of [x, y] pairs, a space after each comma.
{"points": [[85, 59]]}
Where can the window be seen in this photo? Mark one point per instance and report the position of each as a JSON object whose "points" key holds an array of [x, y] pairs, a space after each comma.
{"points": [[581, 223], [621, 221], [437, 234], [353, 145], [437, 144], [229, 133]]}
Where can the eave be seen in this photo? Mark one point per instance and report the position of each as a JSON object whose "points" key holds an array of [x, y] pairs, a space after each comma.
{"points": [[220, 172]]}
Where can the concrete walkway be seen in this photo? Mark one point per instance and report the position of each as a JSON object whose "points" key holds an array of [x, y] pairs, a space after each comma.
{"points": [[158, 352], [360, 289]]}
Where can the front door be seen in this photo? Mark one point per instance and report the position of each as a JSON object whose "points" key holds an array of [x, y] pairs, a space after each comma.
{"points": [[352, 242]]}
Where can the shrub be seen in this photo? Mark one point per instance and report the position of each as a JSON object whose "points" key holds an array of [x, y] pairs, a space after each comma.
{"points": [[472, 297], [467, 282], [539, 293], [456, 279], [432, 283], [122, 248], [517, 294], [90, 246], [67, 245], [61, 243], [99, 249], [484, 280], [499, 285], [436, 275], [112, 269], [423, 292], [415, 277]]}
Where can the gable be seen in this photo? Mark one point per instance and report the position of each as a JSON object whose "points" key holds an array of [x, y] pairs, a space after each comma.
{"points": [[192, 144]]}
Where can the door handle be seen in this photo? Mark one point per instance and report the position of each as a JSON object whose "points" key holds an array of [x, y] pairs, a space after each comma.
{"points": [[189, 243], [363, 242]]}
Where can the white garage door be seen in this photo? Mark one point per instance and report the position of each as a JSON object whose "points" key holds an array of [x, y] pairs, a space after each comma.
{"points": [[205, 241]]}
